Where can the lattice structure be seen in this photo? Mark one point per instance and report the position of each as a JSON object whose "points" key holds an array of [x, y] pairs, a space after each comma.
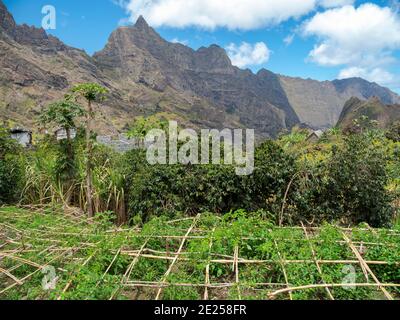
{"points": [[202, 258]]}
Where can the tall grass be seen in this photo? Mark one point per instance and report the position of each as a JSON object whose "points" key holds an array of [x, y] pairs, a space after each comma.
{"points": [[43, 186]]}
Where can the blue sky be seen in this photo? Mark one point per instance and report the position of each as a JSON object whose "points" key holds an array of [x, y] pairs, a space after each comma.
{"points": [[318, 39]]}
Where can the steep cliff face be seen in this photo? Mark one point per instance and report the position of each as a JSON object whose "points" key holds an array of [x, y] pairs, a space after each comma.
{"points": [[319, 104], [140, 55], [147, 75], [37, 68]]}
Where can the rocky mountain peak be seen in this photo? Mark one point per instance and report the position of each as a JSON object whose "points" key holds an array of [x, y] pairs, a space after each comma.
{"points": [[141, 24], [147, 74], [129, 45], [140, 34], [7, 22], [213, 58], [28, 35]]}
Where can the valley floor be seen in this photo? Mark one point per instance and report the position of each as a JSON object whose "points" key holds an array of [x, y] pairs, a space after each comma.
{"points": [[45, 254]]}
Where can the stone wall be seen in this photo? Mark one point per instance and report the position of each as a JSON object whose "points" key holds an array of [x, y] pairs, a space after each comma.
{"points": [[121, 143]]}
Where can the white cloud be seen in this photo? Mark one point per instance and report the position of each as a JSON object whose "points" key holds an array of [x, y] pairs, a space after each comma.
{"points": [[210, 14], [351, 34], [362, 39], [231, 14], [184, 42], [289, 39], [247, 54]]}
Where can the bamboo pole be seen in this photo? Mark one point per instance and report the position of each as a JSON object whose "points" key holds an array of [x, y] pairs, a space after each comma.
{"points": [[68, 285], [175, 259], [282, 263], [33, 273], [128, 271], [316, 262], [333, 285], [207, 282], [8, 274], [365, 266], [237, 271]]}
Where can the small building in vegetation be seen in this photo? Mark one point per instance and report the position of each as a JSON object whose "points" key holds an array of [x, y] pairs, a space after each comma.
{"points": [[121, 143], [61, 134], [315, 136], [22, 136]]}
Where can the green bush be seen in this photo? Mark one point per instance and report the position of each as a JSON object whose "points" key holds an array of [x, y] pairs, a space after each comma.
{"points": [[11, 169], [349, 187], [155, 190], [357, 181], [394, 132]]}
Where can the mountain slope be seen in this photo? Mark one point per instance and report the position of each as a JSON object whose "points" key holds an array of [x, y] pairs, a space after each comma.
{"points": [[138, 54], [147, 75], [374, 109], [319, 104]]}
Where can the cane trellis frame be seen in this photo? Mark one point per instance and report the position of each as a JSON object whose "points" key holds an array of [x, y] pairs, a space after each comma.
{"points": [[26, 247]]}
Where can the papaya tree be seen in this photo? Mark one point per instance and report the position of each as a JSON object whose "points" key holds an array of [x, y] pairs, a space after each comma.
{"points": [[91, 92], [63, 114]]}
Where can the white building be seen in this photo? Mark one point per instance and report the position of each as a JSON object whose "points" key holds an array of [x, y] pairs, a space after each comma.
{"points": [[22, 136], [61, 134]]}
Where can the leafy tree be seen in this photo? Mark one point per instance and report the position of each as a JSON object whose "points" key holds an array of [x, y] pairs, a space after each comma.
{"points": [[91, 92], [63, 114]]}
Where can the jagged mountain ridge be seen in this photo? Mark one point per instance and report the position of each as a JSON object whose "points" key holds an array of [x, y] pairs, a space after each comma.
{"points": [[148, 75]]}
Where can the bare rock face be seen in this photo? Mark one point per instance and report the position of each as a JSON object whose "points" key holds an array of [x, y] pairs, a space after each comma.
{"points": [[365, 90], [7, 22], [38, 38], [319, 104], [147, 75], [139, 55]]}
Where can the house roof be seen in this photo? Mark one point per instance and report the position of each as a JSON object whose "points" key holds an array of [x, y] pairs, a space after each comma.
{"points": [[19, 130], [317, 133]]}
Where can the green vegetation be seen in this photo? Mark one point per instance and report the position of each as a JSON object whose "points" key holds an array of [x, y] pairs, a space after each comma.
{"points": [[63, 115], [346, 179], [342, 178], [91, 92], [11, 169], [177, 241], [240, 255]]}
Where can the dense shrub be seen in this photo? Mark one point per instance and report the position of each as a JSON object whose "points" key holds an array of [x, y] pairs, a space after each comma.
{"points": [[394, 132], [274, 169], [11, 169], [357, 181], [348, 186], [171, 189]]}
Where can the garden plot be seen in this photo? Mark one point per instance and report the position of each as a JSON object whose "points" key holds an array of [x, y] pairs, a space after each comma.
{"points": [[45, 255]]}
